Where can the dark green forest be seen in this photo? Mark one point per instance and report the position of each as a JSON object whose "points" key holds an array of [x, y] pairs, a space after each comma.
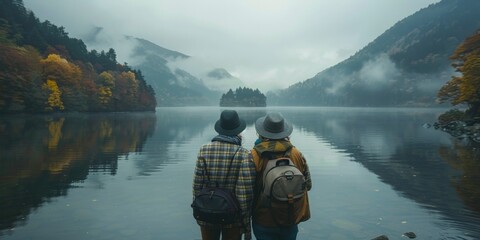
{"points": [[243, 97], [42, 69]]}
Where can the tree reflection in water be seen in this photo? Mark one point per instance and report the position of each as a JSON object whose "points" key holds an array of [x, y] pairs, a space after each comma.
{"points": [[43, 156], [465, 157]]}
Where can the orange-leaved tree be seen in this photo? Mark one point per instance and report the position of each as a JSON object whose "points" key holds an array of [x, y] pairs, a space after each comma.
{"points": [[19, 66], [465, 88], [126, 89]]}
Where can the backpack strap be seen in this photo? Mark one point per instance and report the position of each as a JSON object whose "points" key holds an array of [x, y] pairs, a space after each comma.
{"points": [[206, 173], [230, 166], [266, 156], [288, 152], [228, 170]]}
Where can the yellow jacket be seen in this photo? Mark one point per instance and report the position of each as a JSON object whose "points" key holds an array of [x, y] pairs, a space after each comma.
{"points": [[264, 151]]}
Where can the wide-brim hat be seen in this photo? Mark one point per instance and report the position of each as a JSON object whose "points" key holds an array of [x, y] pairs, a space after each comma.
{"points": [[273, 126], [229, 123]]}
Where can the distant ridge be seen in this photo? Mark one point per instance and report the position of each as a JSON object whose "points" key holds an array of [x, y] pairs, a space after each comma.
{"points": [[405, 66], [173, 86], [167, 71], [147, 46]]}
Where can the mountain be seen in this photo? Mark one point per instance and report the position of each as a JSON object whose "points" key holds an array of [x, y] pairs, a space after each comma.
{"points": [[145, 47], [173, 86], [405, 66], [221, 80], [178, 79]]}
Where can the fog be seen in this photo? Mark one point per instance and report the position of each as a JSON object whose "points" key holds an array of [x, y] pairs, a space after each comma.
{"points": [[267, 44], [377, 73]]}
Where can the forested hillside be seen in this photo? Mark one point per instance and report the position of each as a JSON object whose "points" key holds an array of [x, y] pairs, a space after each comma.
{"points": [[173, 84], [42, 69], [405, 66]]}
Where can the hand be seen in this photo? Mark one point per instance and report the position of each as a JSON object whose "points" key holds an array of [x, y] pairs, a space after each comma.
{"points": [[248, 232], [247, 236]]}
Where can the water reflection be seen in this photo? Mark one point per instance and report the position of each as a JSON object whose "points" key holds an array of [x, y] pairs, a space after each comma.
{"points": [[464, 156], [393, 145], [176, 127], [42, 156], [131, 166]]}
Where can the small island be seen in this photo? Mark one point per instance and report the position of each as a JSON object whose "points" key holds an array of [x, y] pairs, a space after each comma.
{"points": [[243, 97]]}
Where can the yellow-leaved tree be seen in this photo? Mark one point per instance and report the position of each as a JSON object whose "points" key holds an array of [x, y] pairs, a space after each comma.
{"points": [[107, 83], [465, 88], [59, 69], [54, 101], [104, 95], [68, 77], [106, 79], [132, 83]]}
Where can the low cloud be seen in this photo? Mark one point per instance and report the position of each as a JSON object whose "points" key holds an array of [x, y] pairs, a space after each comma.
{"points": [[375, 74], [203, 71], [378, 72], [100, 39]]}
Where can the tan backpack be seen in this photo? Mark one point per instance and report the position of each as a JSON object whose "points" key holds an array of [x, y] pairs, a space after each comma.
{"points": [[283, 188]]}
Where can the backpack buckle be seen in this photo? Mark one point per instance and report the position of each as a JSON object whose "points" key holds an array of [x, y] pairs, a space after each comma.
{"points": [[290, 198], [288, 175]]}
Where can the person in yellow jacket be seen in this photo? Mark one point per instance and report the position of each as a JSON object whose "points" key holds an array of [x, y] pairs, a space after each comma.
{"points": [[274, 131]]}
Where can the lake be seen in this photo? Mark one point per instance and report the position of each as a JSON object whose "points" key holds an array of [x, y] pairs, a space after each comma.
{"points": [[375, 171]]}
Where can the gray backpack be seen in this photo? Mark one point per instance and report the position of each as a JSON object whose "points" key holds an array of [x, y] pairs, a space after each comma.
{"points": [[283, 188], [282, 181]]}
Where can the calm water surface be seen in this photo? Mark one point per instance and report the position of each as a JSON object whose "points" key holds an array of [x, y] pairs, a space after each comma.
{"points": [[129, 176]]}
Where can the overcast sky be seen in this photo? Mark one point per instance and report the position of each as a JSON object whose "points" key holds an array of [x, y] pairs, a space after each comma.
{"points": [[268, 44]]}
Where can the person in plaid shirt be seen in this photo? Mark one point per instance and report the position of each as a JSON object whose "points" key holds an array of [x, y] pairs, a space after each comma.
{"points": [[241, 180]]}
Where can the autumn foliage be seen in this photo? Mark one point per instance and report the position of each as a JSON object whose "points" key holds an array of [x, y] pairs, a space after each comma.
{"points": [[465, 88], [44, 70]]}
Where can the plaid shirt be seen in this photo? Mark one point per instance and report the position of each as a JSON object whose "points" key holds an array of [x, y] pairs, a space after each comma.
{"points": [[241, 179]]}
